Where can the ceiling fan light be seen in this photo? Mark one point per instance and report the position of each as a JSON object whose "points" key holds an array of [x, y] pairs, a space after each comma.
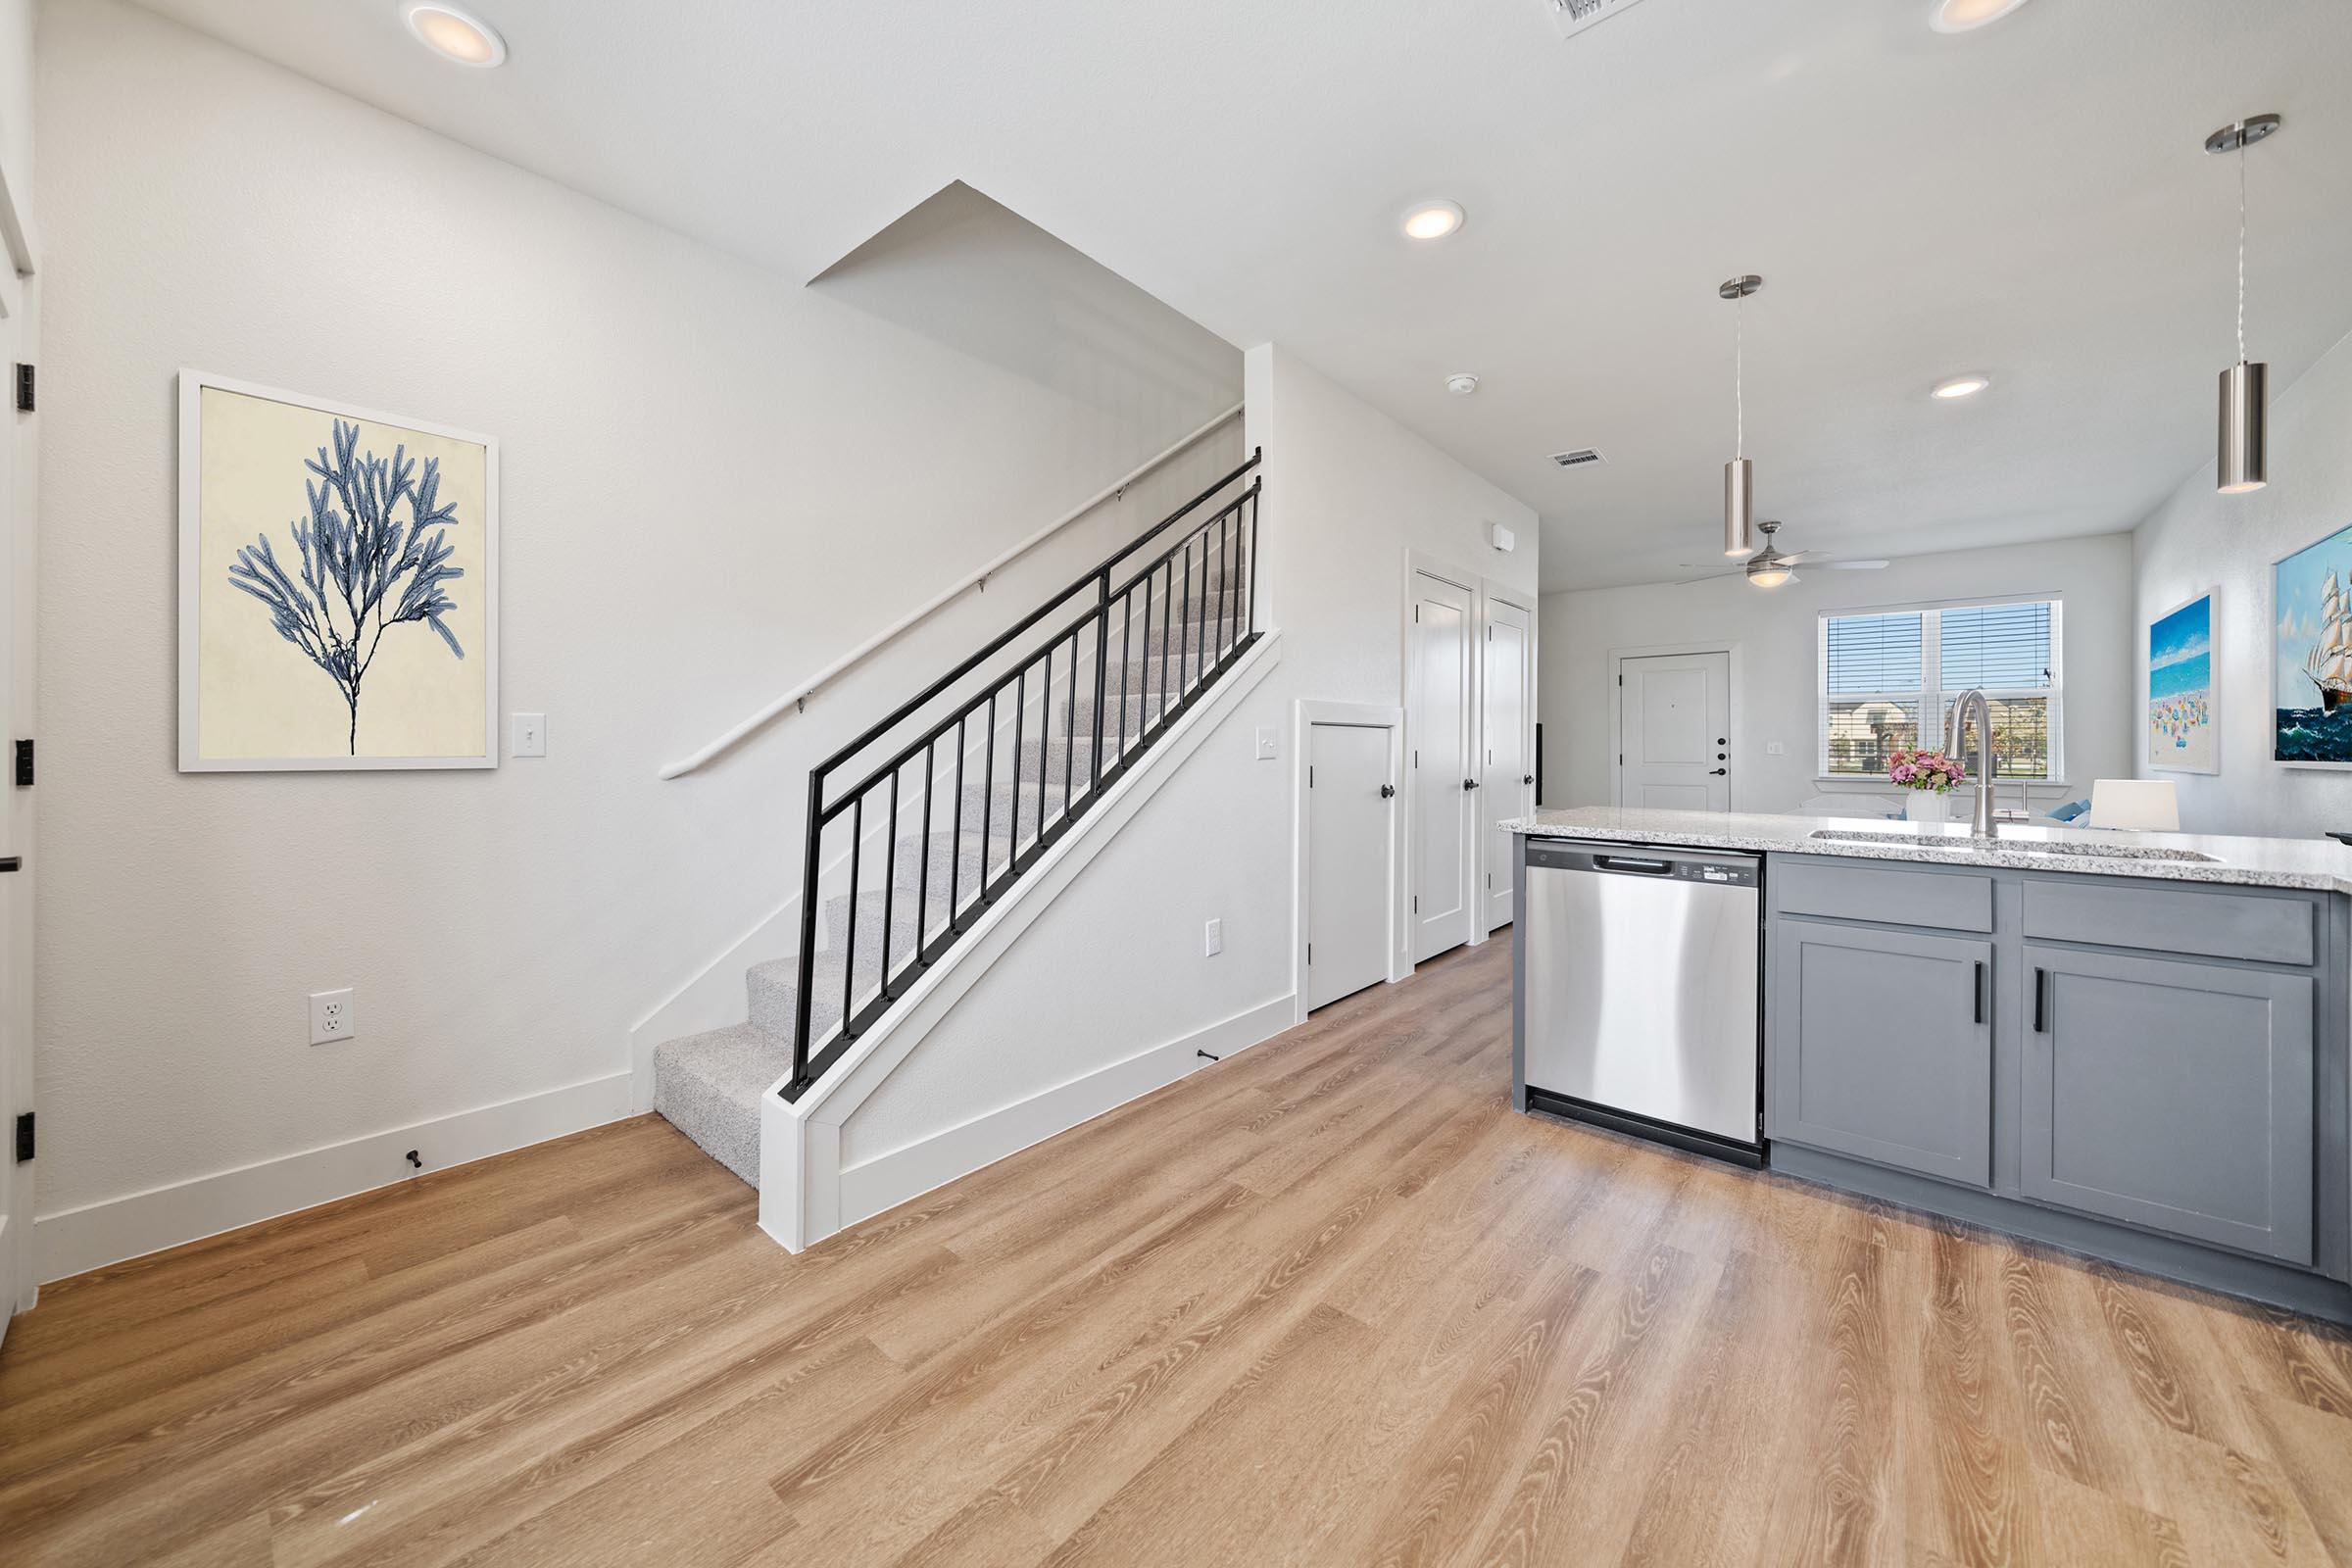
{"points": [[1771, 576], [1739, 508], [2243, 461]]}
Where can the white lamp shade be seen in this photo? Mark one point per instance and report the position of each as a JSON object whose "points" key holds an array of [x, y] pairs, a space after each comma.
{"points": [[2144, 804]]}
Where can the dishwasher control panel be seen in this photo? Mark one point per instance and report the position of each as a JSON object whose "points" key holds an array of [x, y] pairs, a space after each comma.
{"points": [[1665, 864]]}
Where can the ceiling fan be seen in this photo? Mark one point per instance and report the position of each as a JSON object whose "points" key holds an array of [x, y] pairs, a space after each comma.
{"points": [[1769, 568]]}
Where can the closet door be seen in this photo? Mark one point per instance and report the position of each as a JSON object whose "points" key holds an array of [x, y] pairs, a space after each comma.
{"points": [[1440, 719], [1507, 701]]}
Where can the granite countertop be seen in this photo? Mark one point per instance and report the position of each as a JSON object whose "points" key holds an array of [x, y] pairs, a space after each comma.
{"points": [[2320, 865]]}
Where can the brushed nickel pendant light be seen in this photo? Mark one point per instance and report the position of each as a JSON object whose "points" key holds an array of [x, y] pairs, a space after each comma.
{"points": [[2242, 451], [1739, 474]]}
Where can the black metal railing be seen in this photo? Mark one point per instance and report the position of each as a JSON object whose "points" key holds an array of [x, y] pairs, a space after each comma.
{"points": [[956, 728]]}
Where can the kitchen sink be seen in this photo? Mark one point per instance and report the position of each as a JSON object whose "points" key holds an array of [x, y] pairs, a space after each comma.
{"points": [[2022, 846]]}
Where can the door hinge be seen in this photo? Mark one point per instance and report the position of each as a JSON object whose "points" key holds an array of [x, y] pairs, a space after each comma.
{"points": [[1311, 775], [23, 1136], [23, 388], [1416, 614], [24, 763], [1416, 904], [1311, 955]]}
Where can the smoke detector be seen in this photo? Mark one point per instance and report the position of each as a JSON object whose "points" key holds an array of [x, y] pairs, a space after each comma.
{"points": [[1572, 16], [1580, 457], [1461, 384]]}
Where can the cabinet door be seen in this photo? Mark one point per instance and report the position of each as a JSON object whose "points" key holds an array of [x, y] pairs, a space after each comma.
{"points": [[2174, 1094], [1882, 1047]]}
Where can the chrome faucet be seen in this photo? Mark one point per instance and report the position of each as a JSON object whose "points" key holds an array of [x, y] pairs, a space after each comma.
{"points": [[1981, 824]]}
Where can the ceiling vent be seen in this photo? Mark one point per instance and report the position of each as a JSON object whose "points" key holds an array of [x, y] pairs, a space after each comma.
{"points": [[1572, 16], [1582, 457]]}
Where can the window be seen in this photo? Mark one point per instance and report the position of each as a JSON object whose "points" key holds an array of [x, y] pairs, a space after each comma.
{"points": [[1881, 670]]}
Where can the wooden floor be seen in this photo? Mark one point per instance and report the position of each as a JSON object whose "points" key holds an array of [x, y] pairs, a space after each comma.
{"points": [[1330, 1301]]}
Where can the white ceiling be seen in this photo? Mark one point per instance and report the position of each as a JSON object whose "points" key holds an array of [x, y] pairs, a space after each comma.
{"points": [[2029, 200]]}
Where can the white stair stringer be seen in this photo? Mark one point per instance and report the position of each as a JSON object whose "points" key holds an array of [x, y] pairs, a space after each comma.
{"points": [[799, 1160]]}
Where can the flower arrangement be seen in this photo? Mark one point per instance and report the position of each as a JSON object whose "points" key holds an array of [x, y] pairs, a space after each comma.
{"points": [[1923, 769]]}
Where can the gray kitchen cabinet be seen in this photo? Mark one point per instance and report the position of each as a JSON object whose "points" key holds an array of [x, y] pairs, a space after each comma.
{"points": [[1882, 1046], [2171, 1094]]}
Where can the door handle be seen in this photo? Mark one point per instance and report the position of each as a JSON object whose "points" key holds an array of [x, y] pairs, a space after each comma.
{"points": [[1527, 779], [1387, 789], [1469, 783], [1717, 772]]}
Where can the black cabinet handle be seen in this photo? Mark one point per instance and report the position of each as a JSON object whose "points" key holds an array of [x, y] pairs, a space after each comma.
{"points": [[1979, 991], [2041, 1001]]}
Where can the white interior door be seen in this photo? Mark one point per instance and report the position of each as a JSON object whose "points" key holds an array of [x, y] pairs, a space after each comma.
{"points": [[1350, 801], [1438, 721], [1674, 732], [1507, 699], [16, 911]]}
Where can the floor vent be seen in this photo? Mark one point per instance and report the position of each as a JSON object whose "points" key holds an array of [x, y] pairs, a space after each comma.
{"points": [[1578, 459], [1572, 16]]}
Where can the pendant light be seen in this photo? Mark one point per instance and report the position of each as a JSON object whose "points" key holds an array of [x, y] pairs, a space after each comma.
{"points": [[1739, 474], [2240, 460]]}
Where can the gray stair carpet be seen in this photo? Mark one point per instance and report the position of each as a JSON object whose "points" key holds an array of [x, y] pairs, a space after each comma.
{"points": [[709, 1085]]}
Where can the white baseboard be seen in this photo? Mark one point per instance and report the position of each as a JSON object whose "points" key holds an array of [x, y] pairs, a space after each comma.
{"points": [[891, 1179], [118, 1228]]}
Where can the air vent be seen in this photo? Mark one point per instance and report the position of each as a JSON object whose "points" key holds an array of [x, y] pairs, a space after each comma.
{"points": [[1578, 459], [1572, 16]]}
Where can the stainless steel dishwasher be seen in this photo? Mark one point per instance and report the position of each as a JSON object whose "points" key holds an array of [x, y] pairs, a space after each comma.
{"points": [[1637, 1004]]}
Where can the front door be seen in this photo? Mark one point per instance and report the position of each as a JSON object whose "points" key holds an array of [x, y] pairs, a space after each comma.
{"points": [[1349, 797], [1438, 721], [16, 907], [1674, 732], [1508, 789]]}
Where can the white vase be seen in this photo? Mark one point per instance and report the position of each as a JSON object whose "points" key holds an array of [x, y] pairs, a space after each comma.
{"points": [[1922, 806]]}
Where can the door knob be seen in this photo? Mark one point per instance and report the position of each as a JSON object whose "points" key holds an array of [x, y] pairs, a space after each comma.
{"points": [[1527, 779], [1469, 783], [1717, 772], [1387, 791]]}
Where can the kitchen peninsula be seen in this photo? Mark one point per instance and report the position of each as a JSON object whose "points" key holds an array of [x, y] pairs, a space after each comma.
{"points": [[2132, 1046]]}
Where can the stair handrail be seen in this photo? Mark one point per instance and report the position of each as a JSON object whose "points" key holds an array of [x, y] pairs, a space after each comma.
{"points": [[798, 695], [1231, 531]]}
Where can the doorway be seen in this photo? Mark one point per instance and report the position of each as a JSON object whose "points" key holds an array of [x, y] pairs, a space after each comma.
{"points": [[1506, 696], [1350, 871], [1441, 715], [1674, 730]]}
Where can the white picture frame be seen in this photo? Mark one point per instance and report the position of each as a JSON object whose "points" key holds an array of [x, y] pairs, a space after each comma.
{"points": [[480, 577]]}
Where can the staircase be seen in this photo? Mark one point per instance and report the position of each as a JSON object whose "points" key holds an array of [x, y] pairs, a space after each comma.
{"points": [[935, 811]]}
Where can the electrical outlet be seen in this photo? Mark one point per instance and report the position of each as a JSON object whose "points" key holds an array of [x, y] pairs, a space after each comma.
{"points": [[1265, 743], [332, 1017], [1214, 937], [528, 737]]}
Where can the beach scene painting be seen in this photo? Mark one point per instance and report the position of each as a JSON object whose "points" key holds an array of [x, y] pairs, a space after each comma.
{"points": [[2181, 737], [2310, 657]]}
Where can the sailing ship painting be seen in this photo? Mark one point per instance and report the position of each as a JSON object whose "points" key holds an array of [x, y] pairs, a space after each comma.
{"points": [[2311, 674], [2181, 737]]}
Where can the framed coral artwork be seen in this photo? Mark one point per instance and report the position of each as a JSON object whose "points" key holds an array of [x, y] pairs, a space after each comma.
{"points": [[338, 585]]}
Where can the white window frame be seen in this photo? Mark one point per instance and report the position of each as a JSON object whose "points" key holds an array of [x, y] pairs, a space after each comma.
{"points": [[1931, 695]]}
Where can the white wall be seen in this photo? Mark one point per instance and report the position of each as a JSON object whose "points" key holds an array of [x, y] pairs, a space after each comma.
{"points": [[713, 481], [1779, 655], [2202, 542], [1116, 965]]}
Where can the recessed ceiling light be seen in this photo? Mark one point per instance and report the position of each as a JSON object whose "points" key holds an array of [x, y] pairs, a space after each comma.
{"points": [[1461, 383], [453, 33], [1961, 386], [1433, 221], [1966, 15]]}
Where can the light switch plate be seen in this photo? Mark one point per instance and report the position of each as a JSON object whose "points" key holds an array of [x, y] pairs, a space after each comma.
{"points": [[1265, 743], [1215, 937], [528, 737], [1775, 749]]}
